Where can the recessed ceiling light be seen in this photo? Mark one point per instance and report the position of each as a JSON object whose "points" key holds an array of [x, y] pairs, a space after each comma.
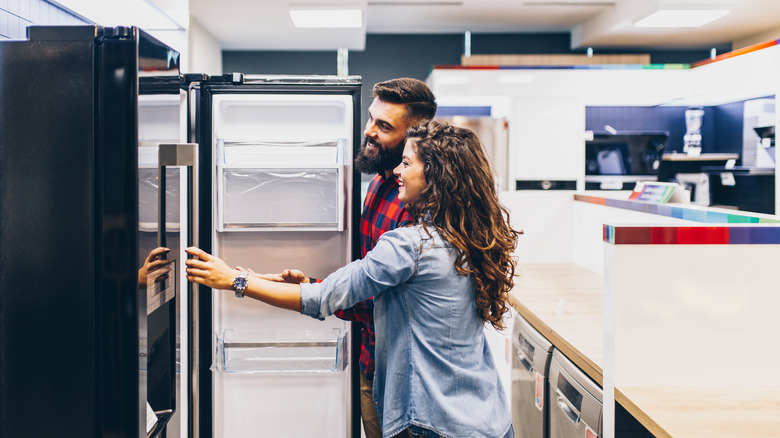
{"points": [[681, 18], [327, 17]]}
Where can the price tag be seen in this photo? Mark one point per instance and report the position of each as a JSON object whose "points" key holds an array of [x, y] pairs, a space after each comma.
{"points": [[539, 391]]}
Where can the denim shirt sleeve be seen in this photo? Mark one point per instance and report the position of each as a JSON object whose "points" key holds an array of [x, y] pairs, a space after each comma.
{"points": [[393, 261]]}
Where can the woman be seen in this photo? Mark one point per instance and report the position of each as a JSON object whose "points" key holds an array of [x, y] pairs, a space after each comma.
{"points": [[435, 284]]}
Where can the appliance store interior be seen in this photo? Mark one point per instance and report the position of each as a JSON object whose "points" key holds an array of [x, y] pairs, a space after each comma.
{"points": [[637, 157]]}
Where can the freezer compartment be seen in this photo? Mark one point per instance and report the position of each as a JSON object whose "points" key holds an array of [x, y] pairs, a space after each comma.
{"points": [[530, 370], [576, 406], [277, 351]]}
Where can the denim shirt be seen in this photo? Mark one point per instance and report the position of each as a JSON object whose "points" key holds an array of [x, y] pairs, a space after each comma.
{"points": [[434, 368]]}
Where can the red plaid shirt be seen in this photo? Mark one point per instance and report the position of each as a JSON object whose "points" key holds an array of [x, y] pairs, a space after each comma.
{"points": [[382, 211]]}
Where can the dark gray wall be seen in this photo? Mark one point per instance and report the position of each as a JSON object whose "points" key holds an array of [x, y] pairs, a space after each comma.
{"points": [[389, 56]]}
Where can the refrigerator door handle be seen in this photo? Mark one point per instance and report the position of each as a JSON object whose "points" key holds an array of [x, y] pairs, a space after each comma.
{"points": [[186, 155], [180, 154]]}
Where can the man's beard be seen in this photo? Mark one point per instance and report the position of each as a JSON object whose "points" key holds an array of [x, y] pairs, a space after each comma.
{"points": [[384, 159]]}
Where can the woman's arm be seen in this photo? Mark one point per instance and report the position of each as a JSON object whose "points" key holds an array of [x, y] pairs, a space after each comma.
{"points": [[216, 274]]}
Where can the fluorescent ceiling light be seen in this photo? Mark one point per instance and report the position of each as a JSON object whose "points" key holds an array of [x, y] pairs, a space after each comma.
{"points": [[327, 17], [681, 18], [109, 13]]}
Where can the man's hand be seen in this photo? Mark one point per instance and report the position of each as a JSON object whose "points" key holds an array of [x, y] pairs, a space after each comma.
{"points": [[294, 276]]}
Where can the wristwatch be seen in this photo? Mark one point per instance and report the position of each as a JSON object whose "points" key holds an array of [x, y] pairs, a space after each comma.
{"points": [[239, 284]]}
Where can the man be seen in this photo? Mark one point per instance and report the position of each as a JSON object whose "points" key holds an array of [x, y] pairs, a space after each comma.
{"points": [[398, 104]]}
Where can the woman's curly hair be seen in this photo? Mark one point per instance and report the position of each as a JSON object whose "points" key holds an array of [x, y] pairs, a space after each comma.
{"points": [[461, 202]]}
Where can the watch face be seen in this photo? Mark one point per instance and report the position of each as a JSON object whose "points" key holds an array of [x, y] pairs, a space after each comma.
{"points": [[239, 284]]}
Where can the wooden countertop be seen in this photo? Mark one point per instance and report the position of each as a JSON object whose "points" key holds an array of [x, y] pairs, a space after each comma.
{"points": [[563, 302], [711, 411]]}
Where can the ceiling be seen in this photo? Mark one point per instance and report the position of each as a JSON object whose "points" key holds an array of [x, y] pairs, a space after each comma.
{"points": [[266, 25]]}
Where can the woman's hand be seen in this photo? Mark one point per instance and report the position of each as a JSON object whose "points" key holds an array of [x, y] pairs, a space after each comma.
{"points": [[152, 263], [209, 270]]}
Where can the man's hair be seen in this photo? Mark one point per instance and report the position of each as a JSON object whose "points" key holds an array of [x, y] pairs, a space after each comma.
{"points": [[415, 94]]}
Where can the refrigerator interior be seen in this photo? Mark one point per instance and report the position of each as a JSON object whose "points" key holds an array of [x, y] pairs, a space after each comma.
{"points": [[282, 172], [160, 121]]}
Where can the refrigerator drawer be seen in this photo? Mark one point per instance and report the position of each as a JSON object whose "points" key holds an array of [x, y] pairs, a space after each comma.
{"points": [[281, 352], [306, 199]]}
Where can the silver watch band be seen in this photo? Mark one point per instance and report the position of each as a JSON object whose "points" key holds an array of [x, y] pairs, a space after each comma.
{"points": [[239, 284]]}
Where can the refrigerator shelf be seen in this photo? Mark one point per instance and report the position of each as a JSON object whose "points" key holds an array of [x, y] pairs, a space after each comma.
{"points": [[275, 353], [281, 153], [331, 142]]}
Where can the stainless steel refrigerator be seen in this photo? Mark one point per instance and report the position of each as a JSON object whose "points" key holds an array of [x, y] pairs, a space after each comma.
{"points": [[277, 191], [93, 178]]}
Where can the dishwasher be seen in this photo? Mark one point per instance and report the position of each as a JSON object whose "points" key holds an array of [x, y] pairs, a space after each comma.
{"points": [[530, 366], [576, 407]]}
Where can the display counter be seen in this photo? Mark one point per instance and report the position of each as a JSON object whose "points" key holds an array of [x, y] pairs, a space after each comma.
{"points": [[678, 325]]}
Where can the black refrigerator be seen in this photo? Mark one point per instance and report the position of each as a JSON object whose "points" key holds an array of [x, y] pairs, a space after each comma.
{"points": [[94, 183]]}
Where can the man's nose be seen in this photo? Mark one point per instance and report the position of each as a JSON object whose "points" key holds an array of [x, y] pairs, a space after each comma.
{"points": [[370, 130]]}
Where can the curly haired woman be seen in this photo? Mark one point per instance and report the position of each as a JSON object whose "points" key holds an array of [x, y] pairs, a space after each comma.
{"points": [[435, 285]]}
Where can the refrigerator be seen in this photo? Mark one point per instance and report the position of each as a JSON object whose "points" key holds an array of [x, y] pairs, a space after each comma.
{"points": [[277, 191], [94, 178]]}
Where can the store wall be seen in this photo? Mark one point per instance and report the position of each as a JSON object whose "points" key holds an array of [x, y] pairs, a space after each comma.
{"points": [[16, 15], [387, 56], [207, 48]]}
